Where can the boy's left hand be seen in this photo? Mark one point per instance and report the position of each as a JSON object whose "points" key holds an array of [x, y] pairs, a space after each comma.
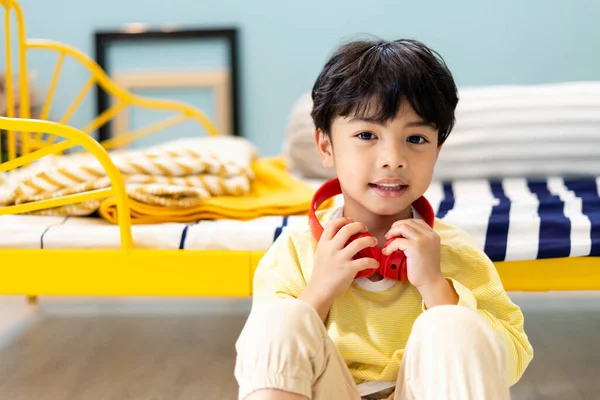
{"points": [[421, 245]]}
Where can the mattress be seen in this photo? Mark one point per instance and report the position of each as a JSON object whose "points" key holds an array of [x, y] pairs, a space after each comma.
{"points": [[510, 219]]}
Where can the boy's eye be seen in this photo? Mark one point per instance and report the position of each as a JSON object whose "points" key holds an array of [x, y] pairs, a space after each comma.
{"points": [[417, 139], [366, 136]]}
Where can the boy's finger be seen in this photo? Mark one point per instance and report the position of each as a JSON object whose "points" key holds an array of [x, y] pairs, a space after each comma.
{"points": [[422, 223], [406, 230], [333, 226], [397, 244], [364, 263], [359, 244], [417, 223], [346, 232]]}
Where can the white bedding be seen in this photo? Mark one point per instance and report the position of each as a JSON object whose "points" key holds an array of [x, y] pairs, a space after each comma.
{"points": [[34, 232]]}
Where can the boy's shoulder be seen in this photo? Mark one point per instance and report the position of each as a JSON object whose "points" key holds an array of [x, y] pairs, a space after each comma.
{"points": [[459, 252], [453, 236], [291, 256]]}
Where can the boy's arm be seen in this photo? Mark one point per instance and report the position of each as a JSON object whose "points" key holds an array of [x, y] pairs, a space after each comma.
{"points": [[478, 286]]}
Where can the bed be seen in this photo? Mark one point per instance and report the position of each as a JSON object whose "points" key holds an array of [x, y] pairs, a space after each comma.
{"points": [[542, 234]]}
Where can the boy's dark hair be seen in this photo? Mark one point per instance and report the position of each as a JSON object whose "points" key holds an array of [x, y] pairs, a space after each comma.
{"points": [[362, 72]]}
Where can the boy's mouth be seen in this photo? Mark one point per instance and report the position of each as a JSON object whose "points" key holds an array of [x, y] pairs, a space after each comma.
{"points": [[388, 189]]}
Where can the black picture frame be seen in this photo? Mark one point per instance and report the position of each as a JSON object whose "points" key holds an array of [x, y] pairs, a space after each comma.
{"points": [[104, 38]]}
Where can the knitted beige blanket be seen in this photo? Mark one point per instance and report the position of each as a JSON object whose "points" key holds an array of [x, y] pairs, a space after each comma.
{"points": [[178, 173]]}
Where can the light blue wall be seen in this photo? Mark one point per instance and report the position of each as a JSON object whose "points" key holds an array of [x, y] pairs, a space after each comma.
{"points": [[284, 43]]}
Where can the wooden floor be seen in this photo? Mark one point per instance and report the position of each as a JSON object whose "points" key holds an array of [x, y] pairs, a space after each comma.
{"points": [[90, 352]]}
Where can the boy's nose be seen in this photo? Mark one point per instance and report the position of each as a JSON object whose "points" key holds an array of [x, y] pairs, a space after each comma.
{"points": [[391, 157]]}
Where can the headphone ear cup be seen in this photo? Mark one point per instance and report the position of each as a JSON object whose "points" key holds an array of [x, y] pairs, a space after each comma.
{"points": [[393, 266], [404, 269]]}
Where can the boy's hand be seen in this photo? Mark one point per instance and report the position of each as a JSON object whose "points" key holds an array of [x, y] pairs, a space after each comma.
{"points": [[421, 245], [334, 269]]}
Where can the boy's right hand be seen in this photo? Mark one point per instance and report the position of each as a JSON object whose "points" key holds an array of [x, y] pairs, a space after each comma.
{"points": [[334, 269]]}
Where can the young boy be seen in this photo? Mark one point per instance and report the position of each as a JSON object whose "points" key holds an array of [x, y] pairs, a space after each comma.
{"points": [[382, 112]]}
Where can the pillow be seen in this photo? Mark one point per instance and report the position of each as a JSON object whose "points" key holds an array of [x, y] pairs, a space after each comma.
{"points": [[299, 148], [524, 131]]}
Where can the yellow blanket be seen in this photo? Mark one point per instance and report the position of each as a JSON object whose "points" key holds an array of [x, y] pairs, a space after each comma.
{"points": [[272, 192]]}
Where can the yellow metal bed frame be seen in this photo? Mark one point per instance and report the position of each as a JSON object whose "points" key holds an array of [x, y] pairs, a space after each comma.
{"points": [[134, 272]]}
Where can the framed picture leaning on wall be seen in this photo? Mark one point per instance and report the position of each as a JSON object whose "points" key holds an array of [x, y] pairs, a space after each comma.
{"points": [[196, 66]]}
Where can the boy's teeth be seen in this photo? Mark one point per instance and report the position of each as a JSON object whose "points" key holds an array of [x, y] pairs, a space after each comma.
{"points": [[390, 187]]}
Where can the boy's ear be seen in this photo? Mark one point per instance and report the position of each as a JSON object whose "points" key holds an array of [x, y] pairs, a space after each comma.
{"points": [[325, 148]]}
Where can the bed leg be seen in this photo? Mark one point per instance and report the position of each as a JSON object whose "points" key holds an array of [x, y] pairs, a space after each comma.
{"points": [[32, 300]]}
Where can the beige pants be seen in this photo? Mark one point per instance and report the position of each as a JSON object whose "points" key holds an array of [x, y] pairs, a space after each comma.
{"points": [[451, 354]]}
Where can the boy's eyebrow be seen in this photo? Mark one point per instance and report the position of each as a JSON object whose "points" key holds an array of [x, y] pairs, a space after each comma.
{"points": [[365, 119], [411, 124], [419, 123]]}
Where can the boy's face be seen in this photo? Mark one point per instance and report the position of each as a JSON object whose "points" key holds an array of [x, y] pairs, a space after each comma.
{"points": [[382, 168]]}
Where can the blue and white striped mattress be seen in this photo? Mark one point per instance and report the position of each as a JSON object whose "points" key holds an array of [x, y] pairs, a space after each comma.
{"points": [[511, 219], [519, 219]]}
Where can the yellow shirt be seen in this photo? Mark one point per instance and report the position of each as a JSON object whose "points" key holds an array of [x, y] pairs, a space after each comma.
{"points": [[370, 323]]}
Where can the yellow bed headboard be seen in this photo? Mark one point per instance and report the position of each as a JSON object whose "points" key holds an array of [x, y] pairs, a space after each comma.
{"points": [[11, 5], [34, 140]]}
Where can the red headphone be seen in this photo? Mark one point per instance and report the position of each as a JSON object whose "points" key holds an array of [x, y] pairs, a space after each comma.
{"points": [[392, 266]]}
